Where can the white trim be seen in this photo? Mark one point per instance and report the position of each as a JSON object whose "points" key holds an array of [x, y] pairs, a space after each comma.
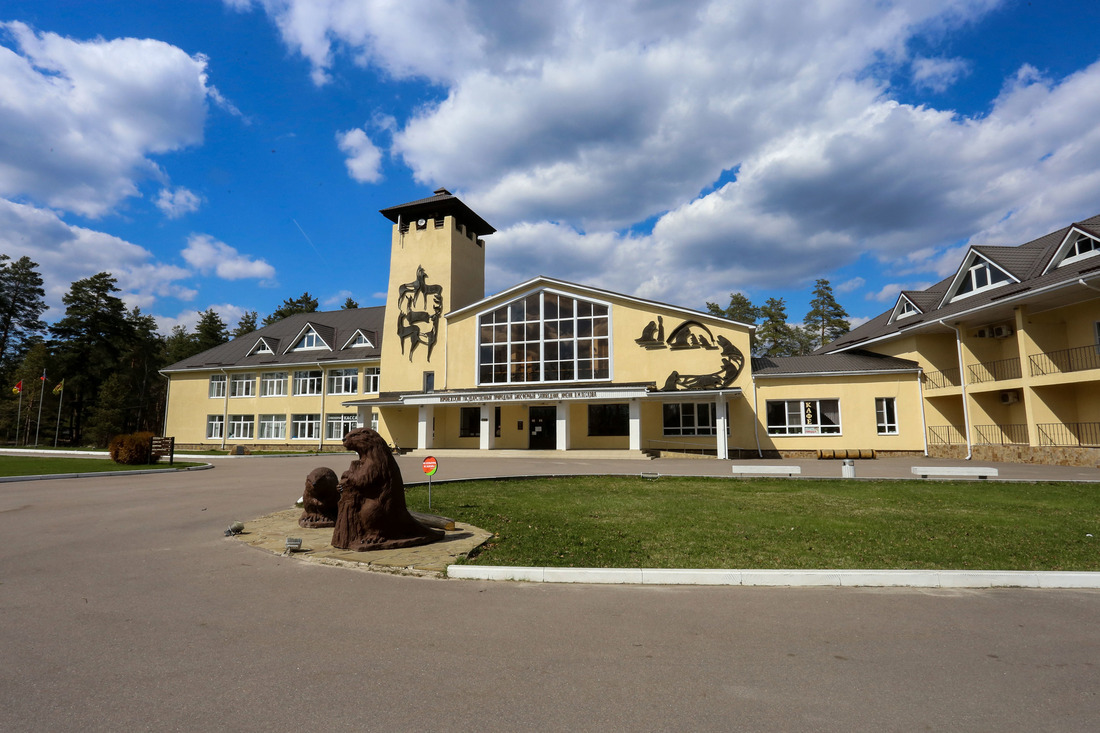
{"points": [[1059, 257], [257, 350], [902, 298], [271, 366], [293, 347], [967, 265], [358, 332]]}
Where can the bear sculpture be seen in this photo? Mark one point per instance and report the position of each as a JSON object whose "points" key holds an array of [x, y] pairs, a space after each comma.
{"points": [[320, 500], [372, 514]]}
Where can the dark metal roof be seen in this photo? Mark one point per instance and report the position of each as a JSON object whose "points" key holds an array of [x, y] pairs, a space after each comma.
{"points": [[851, 361], [1026, 262], [335, 327], [442, 203]]}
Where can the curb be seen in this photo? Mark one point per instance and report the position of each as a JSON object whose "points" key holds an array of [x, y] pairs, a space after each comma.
{"points": [[786, 578], [93, 474]]}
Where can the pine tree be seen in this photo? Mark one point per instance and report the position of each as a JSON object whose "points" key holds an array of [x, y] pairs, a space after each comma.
{"points": [[349, 304], [740, 309], [180, 345], [305, 303], [210, 331], [246, 325], [22, 303], [774, 336], [826, 319]]}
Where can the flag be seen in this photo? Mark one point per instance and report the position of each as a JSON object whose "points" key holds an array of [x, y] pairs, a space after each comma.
{"points": [[17, 388], [60, 387]]}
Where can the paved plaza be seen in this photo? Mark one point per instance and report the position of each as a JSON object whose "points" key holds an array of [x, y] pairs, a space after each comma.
{"points": [[125, 607]]}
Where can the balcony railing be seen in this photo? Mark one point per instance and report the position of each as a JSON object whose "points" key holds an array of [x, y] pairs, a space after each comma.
{"points": [[1000, 434], [945, 435], [1070, 433], [995, 371], [1065, 360], [942, 380]]}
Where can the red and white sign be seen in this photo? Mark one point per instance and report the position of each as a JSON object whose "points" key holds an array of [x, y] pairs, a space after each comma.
{"points": [[430, 465]]}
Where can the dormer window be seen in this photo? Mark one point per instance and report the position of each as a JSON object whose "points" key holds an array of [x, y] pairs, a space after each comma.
{"points": [[262, 348], [904, 309], [310, 340], [358, 340], [1081, 247], [981, 275]]}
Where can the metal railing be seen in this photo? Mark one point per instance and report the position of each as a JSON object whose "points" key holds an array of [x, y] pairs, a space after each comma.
{"points": [[942, 380], [1065, 360], [945, 435], [1000, 434], [1070, 433], [995, 371]]}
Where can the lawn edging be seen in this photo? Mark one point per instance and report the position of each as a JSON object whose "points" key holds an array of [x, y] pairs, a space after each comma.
{"points": [[786, 578], [93, 474]]}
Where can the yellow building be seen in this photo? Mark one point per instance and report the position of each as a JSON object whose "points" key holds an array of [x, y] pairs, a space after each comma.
{"points": [[554, 365]]}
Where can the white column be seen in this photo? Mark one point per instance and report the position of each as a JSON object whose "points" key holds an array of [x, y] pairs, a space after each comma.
{"points": [[425, 437], [720, 426], [488, 431], [561, 429], [635, 425]]}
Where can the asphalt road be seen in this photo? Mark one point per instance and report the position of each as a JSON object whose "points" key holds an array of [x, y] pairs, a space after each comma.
{"points": [[122, 607]]}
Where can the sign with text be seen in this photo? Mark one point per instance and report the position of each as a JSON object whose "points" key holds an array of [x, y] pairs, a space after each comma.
{"points": [[430, 465]]}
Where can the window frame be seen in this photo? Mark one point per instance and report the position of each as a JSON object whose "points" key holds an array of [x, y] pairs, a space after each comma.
{"points": [[308, 377], [469, 416], [343, 378], [614, 424], [818, 429], [244, 424], [215, 427], [280, 379], [695, 429], [311, 421], [242, 385], [341, 420], [266, 421], [371, 378], [885, 409], [218, 386]]}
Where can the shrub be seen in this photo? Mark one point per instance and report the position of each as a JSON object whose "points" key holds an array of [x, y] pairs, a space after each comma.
{"points": [[132, 449]]}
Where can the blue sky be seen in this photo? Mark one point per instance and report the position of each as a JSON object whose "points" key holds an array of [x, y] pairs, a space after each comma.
{"points": [[234, 154]]}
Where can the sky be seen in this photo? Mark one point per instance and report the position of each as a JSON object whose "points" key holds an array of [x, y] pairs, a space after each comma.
{"points": [[235, 153]]}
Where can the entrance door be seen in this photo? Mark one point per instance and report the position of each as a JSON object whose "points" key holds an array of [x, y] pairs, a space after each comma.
{"points": [[543, 423]]}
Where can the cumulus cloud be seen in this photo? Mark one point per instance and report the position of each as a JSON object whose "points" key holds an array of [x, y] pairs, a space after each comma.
{"points": [[67, 253], [681, 151], [82, 119], [364, 160], [229, 313], [208, 255], [177, 202], [851, 285]]}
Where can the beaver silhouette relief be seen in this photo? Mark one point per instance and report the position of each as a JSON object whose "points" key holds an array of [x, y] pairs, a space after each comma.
{"points": [[372, 514], [320, 500]]}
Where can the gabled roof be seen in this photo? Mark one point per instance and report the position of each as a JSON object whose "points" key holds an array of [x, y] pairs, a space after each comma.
{"points": [[1071, 236], [325, 333], [270, 344], [332, 326], [368, 335], [972, 257], [1028, 263]]}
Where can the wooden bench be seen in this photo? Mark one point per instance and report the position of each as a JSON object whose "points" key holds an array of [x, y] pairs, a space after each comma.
{"points": [[745, 470], [954, 471]]}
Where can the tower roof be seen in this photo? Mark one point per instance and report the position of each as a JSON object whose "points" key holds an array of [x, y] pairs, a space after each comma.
{"points": [[443, 202]]}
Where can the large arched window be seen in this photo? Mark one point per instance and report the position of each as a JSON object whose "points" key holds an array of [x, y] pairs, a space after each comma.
{"points": [[544, 337]]}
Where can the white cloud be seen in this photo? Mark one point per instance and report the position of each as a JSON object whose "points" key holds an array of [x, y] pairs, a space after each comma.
{"points": [[938, 74], [178, 202], [228, 312], [364, 160], [82, 118], [67, 253], [851, 285], [207, 255]]}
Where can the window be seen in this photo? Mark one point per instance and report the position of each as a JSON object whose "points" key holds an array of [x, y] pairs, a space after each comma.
{"points": [[604, 420], [689, 418], [337, 426], [905, 309], [272, 427], [374, 421], [886, 415], [304, 427], [262, 348], [803, 417], [242, 426], [217, 385], [310, 340], [1083, 246], [273, 384], [469, 422], [215, 426], [306, 383], [370, 379], [980, 276], [359, 340], [242, 385], [429, 381], [544, 337], [343, 381]]}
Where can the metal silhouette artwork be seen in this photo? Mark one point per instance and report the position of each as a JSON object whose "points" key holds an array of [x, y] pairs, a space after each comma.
{"points": [[414, 325], [688, 335], [372, 514], [733, 361], [653, 335]]}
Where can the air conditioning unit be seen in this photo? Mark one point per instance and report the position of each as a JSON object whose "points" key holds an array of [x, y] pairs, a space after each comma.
{"points": [[983, 333], [1009, 397], [1002, 332]]}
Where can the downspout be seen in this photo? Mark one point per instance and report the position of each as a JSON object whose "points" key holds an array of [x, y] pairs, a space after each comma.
{"points": [[923, 417], [167, 397], [1081, 281], [962, 384], [321, 430], [756, 418], [225, 409]]}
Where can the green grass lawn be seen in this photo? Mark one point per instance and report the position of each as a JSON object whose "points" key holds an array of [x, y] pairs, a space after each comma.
{"points": [[774, 523], [42, 465]]}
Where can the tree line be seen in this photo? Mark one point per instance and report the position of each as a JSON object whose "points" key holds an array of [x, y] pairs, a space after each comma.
{"points": [[94, 373], [825, 321]]}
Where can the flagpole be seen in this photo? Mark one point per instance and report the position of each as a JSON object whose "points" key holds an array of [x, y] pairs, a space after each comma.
{"points": [[41, 399], [57, 426], [19, 413]]}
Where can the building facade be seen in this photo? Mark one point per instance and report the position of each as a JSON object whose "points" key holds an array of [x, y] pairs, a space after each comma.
{"points": [[554, 365]]}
